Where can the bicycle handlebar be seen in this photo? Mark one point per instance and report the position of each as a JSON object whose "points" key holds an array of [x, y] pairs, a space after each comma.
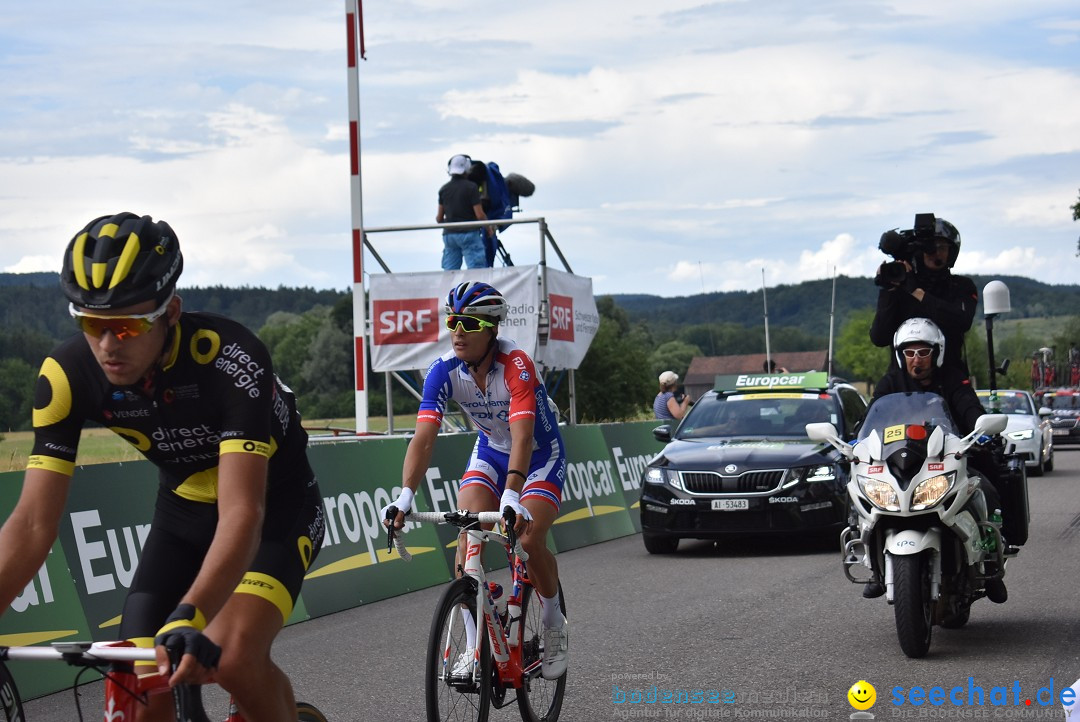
{"points": [[462, 519], [98, 651]]}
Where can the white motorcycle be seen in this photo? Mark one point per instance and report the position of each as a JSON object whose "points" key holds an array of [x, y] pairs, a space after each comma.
{"points": [[920, 518]]}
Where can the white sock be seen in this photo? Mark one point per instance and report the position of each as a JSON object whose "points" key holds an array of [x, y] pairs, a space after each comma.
{"points": [[552, 617], [470, 628]]}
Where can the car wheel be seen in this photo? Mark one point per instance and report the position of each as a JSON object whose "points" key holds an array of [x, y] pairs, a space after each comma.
{"points": [[660, 543], [1036, 470]]}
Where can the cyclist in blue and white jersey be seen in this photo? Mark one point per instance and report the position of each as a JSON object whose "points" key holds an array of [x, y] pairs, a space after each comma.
{"points": [[518, 461]]}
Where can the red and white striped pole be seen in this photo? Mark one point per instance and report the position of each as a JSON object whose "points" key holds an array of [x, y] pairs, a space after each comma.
{"points": [[355, 49]]}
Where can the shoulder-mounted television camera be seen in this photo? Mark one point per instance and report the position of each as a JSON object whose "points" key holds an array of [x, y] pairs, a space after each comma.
{"points": [[910, 245]]}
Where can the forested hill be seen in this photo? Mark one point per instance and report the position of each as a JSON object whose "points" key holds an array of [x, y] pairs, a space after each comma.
{"points": [[32, 301], [806, 305]]}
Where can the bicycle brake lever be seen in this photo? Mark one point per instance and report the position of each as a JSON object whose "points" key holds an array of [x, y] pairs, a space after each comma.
{"points": [[391, 516], [510, 519]]}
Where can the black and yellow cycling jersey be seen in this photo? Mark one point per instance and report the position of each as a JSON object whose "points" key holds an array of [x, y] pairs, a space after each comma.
{"points": [[215, 393]]}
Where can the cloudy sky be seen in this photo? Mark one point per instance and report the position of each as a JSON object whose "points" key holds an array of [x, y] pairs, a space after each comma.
{"points": [[676, 146]]}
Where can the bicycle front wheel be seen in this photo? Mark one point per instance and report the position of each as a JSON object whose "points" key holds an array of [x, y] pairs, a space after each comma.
{"points": [[309, 713], [539, 700], [10, 702], [448, 696]]}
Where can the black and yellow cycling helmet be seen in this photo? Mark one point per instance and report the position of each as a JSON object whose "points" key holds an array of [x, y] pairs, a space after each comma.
{"points": [[121, 260]]}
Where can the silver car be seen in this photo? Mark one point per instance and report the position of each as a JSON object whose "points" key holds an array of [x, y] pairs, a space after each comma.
{"points": [[1029, 428]]}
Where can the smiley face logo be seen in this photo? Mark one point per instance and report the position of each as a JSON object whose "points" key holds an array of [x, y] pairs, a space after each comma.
{"points": [[862, 695]]}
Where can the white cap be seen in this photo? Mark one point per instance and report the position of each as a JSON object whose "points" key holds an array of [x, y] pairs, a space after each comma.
{"points": [[668, 378], [459, 164]]}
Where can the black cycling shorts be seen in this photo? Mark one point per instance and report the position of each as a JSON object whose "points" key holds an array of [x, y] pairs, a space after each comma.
{"points": [[180, 537]]}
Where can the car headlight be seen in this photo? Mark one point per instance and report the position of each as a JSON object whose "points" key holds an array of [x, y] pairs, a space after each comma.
{"points": [[880, 494], [931, 491], [659, 475], [825, 472], [1022, 435]]}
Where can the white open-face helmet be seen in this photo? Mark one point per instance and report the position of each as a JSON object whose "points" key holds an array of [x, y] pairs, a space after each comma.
{"points": [[919, 330]]}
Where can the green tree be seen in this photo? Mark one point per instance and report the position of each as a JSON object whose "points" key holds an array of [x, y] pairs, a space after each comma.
{"points": [[1076, 217], [673, 356], [16, 394], [614, 381], [856, 353]]}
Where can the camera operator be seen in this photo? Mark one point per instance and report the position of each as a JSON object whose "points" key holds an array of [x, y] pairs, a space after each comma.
{"points": [[920, 284]]}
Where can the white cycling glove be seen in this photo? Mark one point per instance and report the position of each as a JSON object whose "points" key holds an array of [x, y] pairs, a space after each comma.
{"points": [[403, 502], [512, 499]]}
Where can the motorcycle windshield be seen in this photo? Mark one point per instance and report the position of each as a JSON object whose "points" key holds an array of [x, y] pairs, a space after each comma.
{"points": [[903, 410]]}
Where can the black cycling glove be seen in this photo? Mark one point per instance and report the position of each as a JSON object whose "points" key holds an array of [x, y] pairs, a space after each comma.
{"points": [[183, 632]]}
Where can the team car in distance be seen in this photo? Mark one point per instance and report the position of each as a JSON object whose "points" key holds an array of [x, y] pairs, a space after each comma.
{"points": [[740, 461], [1029, 430], [1065, 406]]}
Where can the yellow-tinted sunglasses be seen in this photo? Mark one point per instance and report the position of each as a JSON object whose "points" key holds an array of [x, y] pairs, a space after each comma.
{"points": [[123, 327], [468, 324]]}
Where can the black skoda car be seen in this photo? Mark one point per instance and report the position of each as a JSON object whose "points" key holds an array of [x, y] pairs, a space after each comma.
{"points": [[740, 461]]}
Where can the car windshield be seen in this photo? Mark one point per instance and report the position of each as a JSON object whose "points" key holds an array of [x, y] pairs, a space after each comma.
{"points": [[907, 409], [1009, 402], [1061, 402], [759, 414]]}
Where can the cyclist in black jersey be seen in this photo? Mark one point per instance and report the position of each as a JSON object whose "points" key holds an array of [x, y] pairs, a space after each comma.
{"points": [[238, 517]]}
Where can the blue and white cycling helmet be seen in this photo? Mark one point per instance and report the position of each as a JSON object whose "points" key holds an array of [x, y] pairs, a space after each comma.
{"points": [[476, 298]]}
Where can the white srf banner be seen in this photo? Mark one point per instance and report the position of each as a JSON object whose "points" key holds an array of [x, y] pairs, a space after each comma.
{"points": [[574, 320], [408, 328], [407, 322]]}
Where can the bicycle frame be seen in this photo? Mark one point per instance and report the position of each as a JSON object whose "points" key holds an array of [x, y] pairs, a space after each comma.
{"points": [[505, 648]]}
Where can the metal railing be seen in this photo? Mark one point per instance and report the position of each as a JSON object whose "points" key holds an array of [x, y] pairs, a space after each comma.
{"points": [[545, 238]]}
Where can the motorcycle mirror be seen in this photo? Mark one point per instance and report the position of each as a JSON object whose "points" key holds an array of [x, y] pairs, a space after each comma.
{"points": [[990, 424], [824, 431]]}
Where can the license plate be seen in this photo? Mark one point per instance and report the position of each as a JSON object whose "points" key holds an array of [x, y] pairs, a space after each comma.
{"points": [[730, 504], [1061, 432]]}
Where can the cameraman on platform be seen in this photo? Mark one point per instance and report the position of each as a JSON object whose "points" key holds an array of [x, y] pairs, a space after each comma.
{"points": [[920, 284]]}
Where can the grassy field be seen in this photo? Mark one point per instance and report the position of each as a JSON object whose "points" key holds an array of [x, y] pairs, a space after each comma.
{"points": [[98, 446]]}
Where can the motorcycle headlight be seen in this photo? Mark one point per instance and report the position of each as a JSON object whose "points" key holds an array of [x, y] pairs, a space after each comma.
{"points": [[660, 476], [880, 494], [930, 491], [1022, 435]]}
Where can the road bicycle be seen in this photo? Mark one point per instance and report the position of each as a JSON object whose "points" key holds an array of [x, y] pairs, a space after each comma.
{"points": [[124, 690], [510, 633]]}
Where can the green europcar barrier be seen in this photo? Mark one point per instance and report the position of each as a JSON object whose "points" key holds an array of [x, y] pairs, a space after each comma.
{"points": [[79, 592]]}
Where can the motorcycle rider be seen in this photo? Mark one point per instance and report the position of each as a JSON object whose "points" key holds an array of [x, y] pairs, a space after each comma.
{"points": [[919, 350], [926, 288]]}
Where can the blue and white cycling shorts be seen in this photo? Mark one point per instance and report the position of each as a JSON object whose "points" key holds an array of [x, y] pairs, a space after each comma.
{"points": [[547, 472]]}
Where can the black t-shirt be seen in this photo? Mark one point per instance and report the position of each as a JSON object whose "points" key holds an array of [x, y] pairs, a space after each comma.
{"points": [[216, 393], [961, 400], [458, 197], [949, 302]]}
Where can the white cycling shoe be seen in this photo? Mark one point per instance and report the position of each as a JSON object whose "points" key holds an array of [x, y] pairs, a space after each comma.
{"points": [[556, 651], [464, 665]]}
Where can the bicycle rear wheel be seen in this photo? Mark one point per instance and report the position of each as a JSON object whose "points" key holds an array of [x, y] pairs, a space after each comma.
{"points": [[447, 698], [309, 713], [10, 701], [539, 700]]}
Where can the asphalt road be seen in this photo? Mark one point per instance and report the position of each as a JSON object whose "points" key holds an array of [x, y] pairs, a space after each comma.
{"points": [[770, 624]]}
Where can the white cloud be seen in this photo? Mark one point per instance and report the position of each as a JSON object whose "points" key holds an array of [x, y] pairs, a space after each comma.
{"points": [[699, 139]]}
